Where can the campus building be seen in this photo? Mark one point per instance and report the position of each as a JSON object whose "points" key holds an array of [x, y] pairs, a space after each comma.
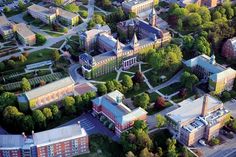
{"points": [[197, 119], [218, 77], [65, 141], [24, 34], [112, 107], [50, 15], [137, 6], [6, 30], [113, 54], [54, 91], [229, 49], [64, 2]]}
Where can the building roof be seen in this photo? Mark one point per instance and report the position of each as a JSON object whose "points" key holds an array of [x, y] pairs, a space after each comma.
{"points": [[191, 109], [85, 88], [11, 141], [222, 75], [96, 31], [205, 62], [66, 14], [48, 88], [132, 3], [40, 9], [58, 135], [104, 56], [233, 42], [112, 102], [4, 21], [23, 30]]}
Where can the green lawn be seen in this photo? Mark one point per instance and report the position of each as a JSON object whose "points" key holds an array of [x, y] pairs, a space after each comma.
{"points": [[28, 18], [154, 110], [53, 34], [82, 8], [175, 87], [153, 96], [134, 69], [132, 93], [75, 38], [122, 75], [13, 12], [58, 44], [145, 67], [99, 13], [107, 77], [178, 99]]}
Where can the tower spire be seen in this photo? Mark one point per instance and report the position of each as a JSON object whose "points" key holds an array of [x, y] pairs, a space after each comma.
{"points": [[152, 17], [134, 42], [117, 49]]}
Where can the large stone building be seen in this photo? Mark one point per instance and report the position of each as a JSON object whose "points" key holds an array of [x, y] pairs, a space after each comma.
{"points": [[52, 14], [24, 34], [112, 107], [219, 77], [197, 119], [138, 6], [229, 49], [6, 30], [114, 55], [65, 141]]}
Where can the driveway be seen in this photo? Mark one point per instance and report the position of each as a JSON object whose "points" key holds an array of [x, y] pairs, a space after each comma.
{"points": [[231, 106]]}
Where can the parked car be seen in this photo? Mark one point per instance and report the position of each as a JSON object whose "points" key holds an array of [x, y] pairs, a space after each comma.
{"points": [[202, 142]]}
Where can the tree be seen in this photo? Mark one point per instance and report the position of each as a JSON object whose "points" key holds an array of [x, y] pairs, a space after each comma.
{"points": [[55, 112], [160, 102], [98, 19], [140, 124], [102, 89], [132, 15], [192, 7], [189, 80], [143, 140], [110, 86], [138, 77], [129, 154], [40, 39], [72, 8], [6, 9], [127, 82], [58, 2], [69, 103], [11, 63], [21, 5], [161, 120], [171, 148], [216, 15], [118, 86], [180, 12], [7, 99], [2, 66], [188, 42], [39, 119], [205, 14], [25, 85], [56, 55], [202, 45], [22, 58], [142, 100], [183, 92], [144, 153], [159, 151], [194, 20], [47, 113], [27, 123], [106, 3]]}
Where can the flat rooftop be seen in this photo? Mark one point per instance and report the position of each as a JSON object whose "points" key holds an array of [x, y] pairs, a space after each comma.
{"points": [[85, 88], [11, 141], [191, 109], [23, 30], [4, 21], [67, 14], [132, 3], [58, 134], [40, 9], [48, 88]]}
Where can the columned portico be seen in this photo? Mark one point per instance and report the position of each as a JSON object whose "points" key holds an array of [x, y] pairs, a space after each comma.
{"points": [[129, 63]]}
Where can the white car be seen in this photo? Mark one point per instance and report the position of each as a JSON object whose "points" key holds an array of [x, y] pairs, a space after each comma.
{"points": [[202, 142]]}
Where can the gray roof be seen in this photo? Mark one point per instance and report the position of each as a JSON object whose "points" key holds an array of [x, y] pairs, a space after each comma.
{"points": [[11, 141], [58, 134], [104, 56], [48, 88]]}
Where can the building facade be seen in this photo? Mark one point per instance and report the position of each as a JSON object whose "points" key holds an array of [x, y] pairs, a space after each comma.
{"points": [[112, 107], [114, 55], [229, 49], [41, 96], [197, 119], [24, 34], [137, 6], [65, 141], [218, 77]]}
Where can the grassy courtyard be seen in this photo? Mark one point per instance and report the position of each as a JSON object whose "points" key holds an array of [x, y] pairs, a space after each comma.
{"points": [[175, 87]]}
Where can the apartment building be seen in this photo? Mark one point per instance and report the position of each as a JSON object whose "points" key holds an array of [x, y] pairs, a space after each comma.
{"points": [[197, 119], [24, 34], [65, 141], [54, 91], [113, 54], [112, 107], [229, 49], [6, 30], [137, 6], [219, 77], [67, 18], [45, 15]]}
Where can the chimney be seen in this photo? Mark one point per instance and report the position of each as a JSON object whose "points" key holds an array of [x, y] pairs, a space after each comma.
{"points": [[205, 105], [79, 123], [23, 134], [32, 132]]}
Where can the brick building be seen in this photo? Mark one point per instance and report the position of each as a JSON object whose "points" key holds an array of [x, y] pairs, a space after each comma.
{"points": [[65, 141], [113, 54], [218, 77], [197, 119], [229, 49], [137, 6], [112, 107]]}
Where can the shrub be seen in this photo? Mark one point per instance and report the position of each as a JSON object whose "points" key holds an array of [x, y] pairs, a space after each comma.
{"points": [[226, 96], [40, 39], [215, 141]]}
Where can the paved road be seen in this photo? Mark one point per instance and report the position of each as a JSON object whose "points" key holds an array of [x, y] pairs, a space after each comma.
{"points": [[74, 74], [231, 106], [2, 131]]}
